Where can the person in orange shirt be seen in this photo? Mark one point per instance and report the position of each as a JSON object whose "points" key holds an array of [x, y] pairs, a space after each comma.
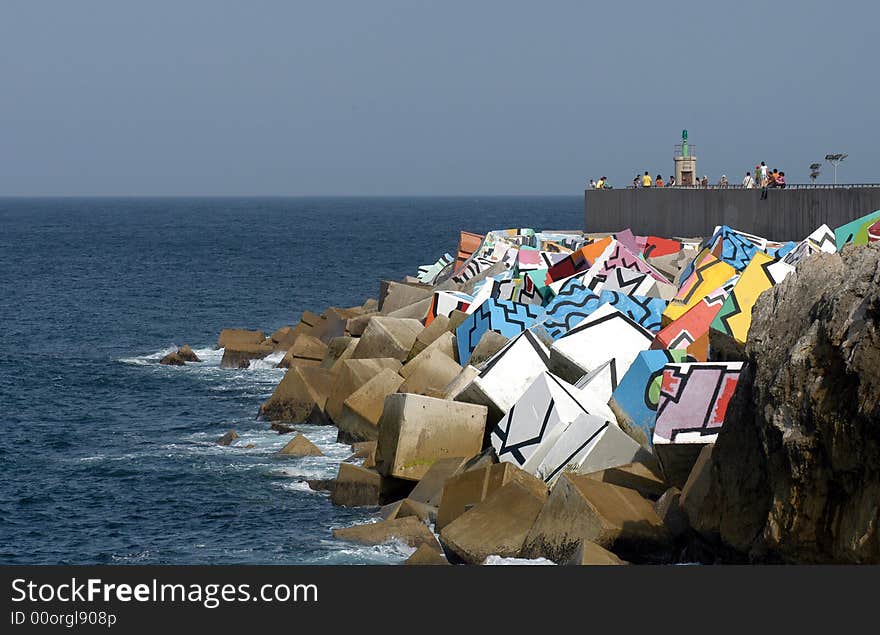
{"points": [[659, 181]]}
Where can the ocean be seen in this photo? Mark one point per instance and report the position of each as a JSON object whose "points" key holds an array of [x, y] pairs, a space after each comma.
{"points": [[109, 457]]}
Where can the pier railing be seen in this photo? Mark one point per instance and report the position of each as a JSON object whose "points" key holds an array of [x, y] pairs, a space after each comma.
{"points": [[788, 186]]}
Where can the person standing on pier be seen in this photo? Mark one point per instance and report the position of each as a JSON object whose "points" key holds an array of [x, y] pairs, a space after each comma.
{"points": [[671, 181], [646, 179], [658, 182], [748, 182]]}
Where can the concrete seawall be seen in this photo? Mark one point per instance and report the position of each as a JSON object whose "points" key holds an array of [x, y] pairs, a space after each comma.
{"points": [[788, 214]]}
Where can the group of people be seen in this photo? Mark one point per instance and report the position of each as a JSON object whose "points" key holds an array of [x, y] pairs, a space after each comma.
{"points": [[764, 178], [645, 180]]}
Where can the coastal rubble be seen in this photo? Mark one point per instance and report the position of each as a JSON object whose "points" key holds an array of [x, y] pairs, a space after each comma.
{"points": [[604, 398]]}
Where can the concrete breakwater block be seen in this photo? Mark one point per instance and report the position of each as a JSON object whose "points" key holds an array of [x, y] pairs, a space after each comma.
{"points": [[709, 274], [506, 375], [502, 316], [442, 344], [443, 303], [428, 274], [735, 316], [589, 553], [361, 410], [589, 444], [240, 355], [636, 398], [305, 351], [387, 337], [435, 329], [607, 334], [497, 526], [615, 518], [396, 295], [641, 477], [338, 348], [352, 374], [429, 489], [235, 338], [426, 555], [409, 530], [537, 419], [300, 390], [693, 402], [300, 446], [415, 431], [690, 332], [357, 486], [458, 384], [470, 487], [416, 311], [429, 373], [489, 344]]}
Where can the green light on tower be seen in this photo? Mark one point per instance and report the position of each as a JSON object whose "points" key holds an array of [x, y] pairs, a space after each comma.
{"points": [[684, 143]]}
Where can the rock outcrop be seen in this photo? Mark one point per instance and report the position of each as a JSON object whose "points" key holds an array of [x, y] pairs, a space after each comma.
{"points": [[795, 473]]}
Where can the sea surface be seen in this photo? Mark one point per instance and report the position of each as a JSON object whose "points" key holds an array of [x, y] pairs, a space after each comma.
{"points": [[108, 457]]}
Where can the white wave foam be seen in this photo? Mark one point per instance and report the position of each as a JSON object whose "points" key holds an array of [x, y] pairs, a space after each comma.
{"points": [[500, 560], [268, 362]]}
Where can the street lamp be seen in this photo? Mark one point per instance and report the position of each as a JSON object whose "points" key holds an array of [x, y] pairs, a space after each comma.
{"points": [[835, 160], [814, 171]]}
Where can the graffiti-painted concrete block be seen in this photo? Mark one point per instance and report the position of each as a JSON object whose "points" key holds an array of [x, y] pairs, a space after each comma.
{"points": [[536, 420], [445, 302], [507, 318], [630, 282], [428, 273], [507, 374], [821, 240], [622, 257], [735, 316], [690, 331], [607, 334], [636, 399], [693, 401], [709, 275], [572, 304], [589, 444], [734, 247], [578, 261], [857, 231]]}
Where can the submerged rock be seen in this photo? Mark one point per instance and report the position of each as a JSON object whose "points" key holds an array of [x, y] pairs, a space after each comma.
{"points": [[300, 446], [795, 473], [228, 438]]}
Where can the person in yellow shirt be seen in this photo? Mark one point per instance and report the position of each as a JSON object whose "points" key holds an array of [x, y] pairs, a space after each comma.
{"points": [[646, 180]]}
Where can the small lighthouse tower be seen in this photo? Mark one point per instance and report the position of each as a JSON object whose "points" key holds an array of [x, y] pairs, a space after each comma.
{"points": [[685, 161]]}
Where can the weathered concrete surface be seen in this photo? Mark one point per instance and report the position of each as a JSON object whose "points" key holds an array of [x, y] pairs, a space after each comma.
{"points": [[589, 553], [489, 344], [442, 343], [644, 479], [785, 215], [616, 518], [173, 359], [365, 450], [300, 446], [361, 410], [356, 486], [397, 295], [430, 333], [338, 350], [415, 431], [408, 507], [387, 337], [416, 311], [796, 474], [300, 390], [351, 375], [239, 337], [498, 525], [409, 530], [426, 555], [463, 491], [429, 373], [430, 488], [240, 355], [306, 350]]}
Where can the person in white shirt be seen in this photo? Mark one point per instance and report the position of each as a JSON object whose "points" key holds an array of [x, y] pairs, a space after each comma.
{"points": [[748, 182]]}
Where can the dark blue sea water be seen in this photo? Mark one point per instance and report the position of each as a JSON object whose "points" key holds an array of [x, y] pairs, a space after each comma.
{"points": [[108, 457]]}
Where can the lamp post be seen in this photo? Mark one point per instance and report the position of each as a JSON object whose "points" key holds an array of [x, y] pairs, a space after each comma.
{"points": [[835, 160]]}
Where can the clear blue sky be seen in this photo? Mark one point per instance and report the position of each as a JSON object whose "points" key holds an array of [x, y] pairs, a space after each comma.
{"points": [[407, 97]]}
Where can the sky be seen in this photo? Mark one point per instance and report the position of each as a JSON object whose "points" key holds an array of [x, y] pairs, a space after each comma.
{"points": [[411, 97]]}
